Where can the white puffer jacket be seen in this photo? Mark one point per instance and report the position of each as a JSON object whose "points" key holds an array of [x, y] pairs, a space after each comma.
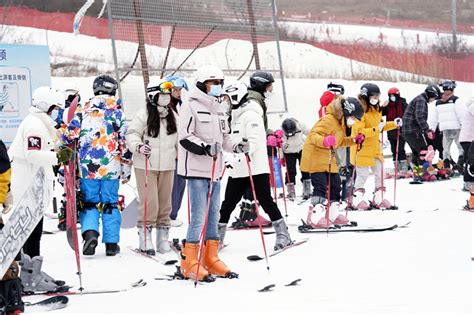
{"points": [[447, 115], [294, 144], [163, 147], [467, 129], [247, 122], [202, 121]]}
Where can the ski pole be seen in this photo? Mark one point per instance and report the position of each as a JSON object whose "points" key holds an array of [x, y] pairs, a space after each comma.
{"points": [[382, 188], [282, 185], [328, 206], [147, 158], [252, 185], [203, 232], [189, 209], [396, 170]]}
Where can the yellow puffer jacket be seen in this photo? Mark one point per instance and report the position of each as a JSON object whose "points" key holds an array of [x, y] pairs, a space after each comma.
{"points": [[5, 172], [315, 157], [369, 127]]}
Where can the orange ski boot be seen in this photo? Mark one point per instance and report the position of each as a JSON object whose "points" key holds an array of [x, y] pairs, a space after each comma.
{"points": [[471, 199], [189, 263], [213, 263]]}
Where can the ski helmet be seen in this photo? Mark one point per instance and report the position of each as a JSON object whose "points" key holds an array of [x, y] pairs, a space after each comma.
{"points": [[259, 80], [352, 107], [289, 126], [433, 91], [104, 84], [71, 94], [207, 73], [44, 97], [178, 82], [394, 91], [336, 88], [158, 87], [369, 89], [448, 85], [236, 91]]}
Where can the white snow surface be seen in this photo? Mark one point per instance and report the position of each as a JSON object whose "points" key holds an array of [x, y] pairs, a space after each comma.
{"points": [[425, 268]]}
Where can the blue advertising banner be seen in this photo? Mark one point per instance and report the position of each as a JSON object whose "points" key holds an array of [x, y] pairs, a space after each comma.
{"points": [[23, 68]]}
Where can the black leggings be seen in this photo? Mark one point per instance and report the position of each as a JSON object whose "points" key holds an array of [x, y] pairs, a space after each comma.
{"points": [[417, 143], [236, 188], [465, 147], [32, 244], [320, 185], [291, 160]]}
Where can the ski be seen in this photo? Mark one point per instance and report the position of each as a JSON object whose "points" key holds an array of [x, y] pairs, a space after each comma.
{"points": [[158, 259], [337, 229], [46, 305], [293, 283], [140, 283], [293, 244], [270, 287], [251, 228], [267, 288]]}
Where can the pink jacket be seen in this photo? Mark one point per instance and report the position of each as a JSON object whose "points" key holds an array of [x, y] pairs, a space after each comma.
{"points": [[203, 121], [467, 128]]}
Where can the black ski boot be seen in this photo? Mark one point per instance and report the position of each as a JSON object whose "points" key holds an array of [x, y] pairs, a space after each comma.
{"points": [[62, 216], [90, 242], [112, 249]]}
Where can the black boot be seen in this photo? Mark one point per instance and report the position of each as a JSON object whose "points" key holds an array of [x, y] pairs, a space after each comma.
{"points": [[112, 249], [90, 242]]}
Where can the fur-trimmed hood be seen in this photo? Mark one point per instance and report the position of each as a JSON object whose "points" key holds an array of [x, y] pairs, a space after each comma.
{"points": [[335, 108]]}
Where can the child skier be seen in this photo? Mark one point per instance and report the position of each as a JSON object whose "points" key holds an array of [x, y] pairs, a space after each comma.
{"points": [[153, 136], [99, 128], [328, 134], [370, 154], [249, 138]]}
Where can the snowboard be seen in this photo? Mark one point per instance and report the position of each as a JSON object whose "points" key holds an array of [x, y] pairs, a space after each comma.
{"points": [[25, 216], [130, 215]]}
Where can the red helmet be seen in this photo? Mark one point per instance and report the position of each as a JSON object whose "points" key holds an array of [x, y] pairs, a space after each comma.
{"points": [[393, 90]]}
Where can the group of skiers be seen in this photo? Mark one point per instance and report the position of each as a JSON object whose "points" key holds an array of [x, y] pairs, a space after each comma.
{"points": [[171, 143]]}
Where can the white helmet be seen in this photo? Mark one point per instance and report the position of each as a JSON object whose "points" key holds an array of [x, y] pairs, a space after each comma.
{"points": [[44, 97], [209, 72], [236, 91], [158, 86]]}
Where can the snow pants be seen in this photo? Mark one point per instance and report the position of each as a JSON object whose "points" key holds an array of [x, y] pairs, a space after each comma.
{"points": [[320, 185], [363, 173], [105, 192], [450, 136], [291, 160]]}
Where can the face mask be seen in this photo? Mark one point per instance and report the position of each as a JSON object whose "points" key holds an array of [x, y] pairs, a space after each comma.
{"points": [[163, 111], [54, 114], [267, 94], [350, 121], [164, 99], [393, 99], [216, 90], [374, 101]]}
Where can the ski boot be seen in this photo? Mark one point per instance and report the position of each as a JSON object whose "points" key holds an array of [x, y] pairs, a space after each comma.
{"points": [[418, 172], [62, 215], [163, 247], [307, 191], [378, 202], [189, 263], [291, 195], [335, 217], [358, 202], [221, 230], [112, 249], [211, 261], [318, 206], [447, 167], [90, 242], [145, 243], [32, 278], [283, 238]]}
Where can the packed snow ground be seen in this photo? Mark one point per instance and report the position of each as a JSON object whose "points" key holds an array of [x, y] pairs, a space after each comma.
{"points": [[425, 268]]}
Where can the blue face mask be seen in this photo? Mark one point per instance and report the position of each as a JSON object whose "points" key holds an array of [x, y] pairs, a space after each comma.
{"points": [[393, 99], [216, 90], [55, 115]]}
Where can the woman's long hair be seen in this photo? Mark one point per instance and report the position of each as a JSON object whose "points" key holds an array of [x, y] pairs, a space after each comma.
{"points": [[153, 120]]}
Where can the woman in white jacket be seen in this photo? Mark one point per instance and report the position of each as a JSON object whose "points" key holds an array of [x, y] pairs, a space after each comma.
{"points": [[247, 124], [153, 136]]}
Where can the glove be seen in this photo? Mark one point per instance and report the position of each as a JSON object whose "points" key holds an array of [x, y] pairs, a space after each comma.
{"points": [[279, 142], [215, 149], [8, 204], [64, 155], [381, 125], [144, 149], [359, 139], [329, 141], [242, 147], [279, 133], [430, 134], [398, 121], [271, 141]]}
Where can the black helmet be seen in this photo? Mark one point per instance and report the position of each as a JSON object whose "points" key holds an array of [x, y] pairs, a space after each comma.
{"points": [[448, 85], [433, 91], [105, 84], [352, 107], [259, 80], [289, 127], [369, 89], [336, 88]]}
